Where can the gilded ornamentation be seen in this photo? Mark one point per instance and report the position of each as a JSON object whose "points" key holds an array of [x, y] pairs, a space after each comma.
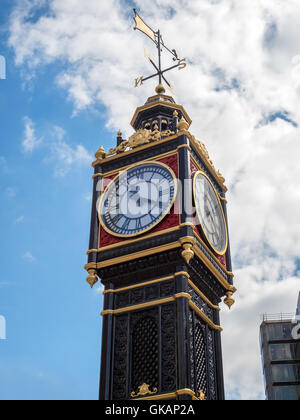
{"points": [[139, 138], [160, 89], [183, 125], [92, 279], [187, 252], [167, 133], [205, 155], [143, 391], [100, 154], [201, 395], [229, 301], [155, 135]]}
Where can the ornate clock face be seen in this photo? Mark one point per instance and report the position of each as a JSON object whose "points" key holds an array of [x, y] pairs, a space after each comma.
{"points": [[210, 213], [138, 199]]}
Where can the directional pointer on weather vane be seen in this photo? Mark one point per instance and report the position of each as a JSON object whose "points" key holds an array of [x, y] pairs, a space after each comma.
{"points": [[158, 41]]}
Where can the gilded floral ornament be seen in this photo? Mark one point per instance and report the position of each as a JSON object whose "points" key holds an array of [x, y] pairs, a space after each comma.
{"points": [[205, 155], [143, 391], [139, 138]]}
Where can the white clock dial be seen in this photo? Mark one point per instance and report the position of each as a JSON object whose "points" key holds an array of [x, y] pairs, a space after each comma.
{"points": [[210, 213], [138, 199]]}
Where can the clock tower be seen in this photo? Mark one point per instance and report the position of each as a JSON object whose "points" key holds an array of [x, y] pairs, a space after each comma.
{"points": [[159, 244]]}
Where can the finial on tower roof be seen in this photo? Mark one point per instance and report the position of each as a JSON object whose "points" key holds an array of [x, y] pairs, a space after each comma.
{"points": [[160, 89]]}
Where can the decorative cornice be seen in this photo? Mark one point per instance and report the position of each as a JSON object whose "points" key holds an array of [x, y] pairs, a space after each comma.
{"points": [[140, 148], [161, 280], [145, 305], [161, 302], [135, 286], [213, 269], [178, 244], [200, 148], [139, 138], [131, 241], [123, 168], [140, 254], [202, 295]]}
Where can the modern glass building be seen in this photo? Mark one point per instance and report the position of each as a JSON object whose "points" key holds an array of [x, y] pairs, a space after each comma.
{"points": [[280, 357]]}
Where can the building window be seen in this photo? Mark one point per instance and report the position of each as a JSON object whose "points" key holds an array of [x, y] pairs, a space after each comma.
{"points": [[283, 351], [287, 393], [286, 373], [280, 331]]}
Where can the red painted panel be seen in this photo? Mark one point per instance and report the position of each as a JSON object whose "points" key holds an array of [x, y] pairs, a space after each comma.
{"points": [[105, 239]]}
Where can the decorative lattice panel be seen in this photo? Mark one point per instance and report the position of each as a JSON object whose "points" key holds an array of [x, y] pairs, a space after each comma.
{"points": [[200, 359], [145, 353]]}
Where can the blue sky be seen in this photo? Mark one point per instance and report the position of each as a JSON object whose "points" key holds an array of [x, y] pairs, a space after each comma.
{"points": [[53, 319], [71, 67]]}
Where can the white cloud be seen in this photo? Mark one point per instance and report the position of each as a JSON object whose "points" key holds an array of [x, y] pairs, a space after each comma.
{"points": [[64, 156], [242, 367], [28, 257], [30, 141], [56, 149], [99, 289], [242, 89]]}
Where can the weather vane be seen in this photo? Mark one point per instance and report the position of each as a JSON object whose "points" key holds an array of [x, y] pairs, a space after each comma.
{"points": [[158, 41]]}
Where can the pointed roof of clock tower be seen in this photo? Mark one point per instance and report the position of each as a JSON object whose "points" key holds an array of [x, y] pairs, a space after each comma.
{"points": [[159, 109]]}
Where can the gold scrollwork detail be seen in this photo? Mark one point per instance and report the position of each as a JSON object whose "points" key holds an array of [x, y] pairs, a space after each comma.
{"points": [[205, 155], [201, 395], [139, 138], [143, 391]]}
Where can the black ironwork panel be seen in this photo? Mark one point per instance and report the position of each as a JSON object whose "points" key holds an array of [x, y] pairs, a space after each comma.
{"points": [[145, 357], [201, 304], [211, 364], [120, 388], [200, 359], [168, 348], [192, 349]]}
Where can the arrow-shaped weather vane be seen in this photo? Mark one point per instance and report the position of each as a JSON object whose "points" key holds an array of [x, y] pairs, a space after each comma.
{"points": [[158, 41]]}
